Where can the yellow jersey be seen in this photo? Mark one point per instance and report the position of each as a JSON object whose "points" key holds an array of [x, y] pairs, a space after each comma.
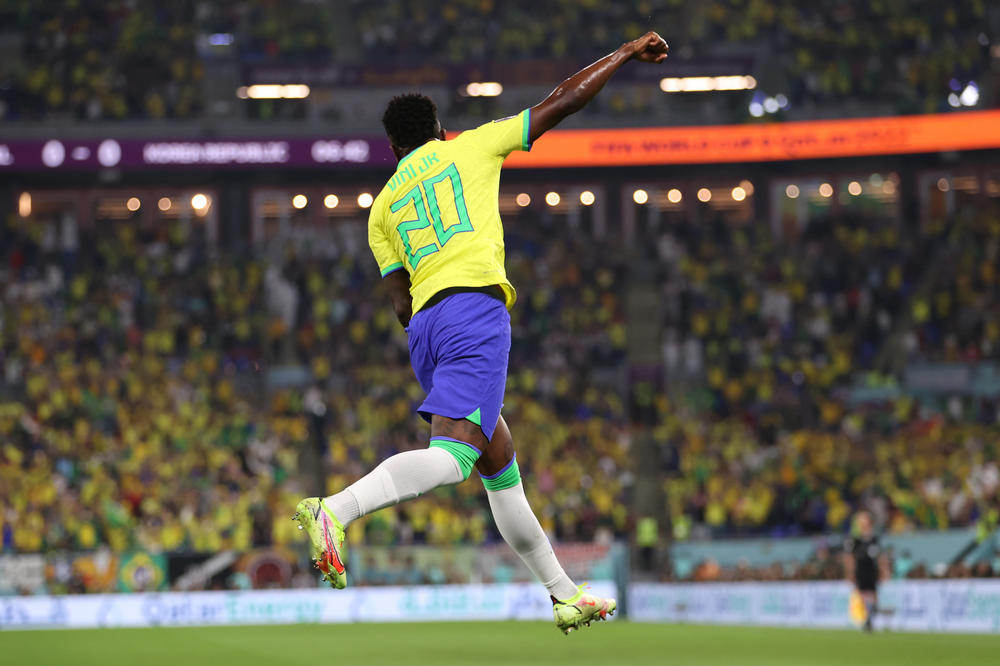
{"points": [[438, 217]]}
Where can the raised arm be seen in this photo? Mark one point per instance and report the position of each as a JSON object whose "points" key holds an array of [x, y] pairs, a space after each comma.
{"points": [[573, 94]]}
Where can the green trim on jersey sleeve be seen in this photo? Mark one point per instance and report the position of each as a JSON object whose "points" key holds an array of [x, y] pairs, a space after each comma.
{"points": [[392, 268], [526, 131]]}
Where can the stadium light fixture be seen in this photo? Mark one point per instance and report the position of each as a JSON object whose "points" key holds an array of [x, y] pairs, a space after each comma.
{"points": [[587, 198], [640, 196], [483, 89], [365, 199], [24, 204], [704, 195], [133, 204], [273, 91], [522, 199], [300, 201], [675, 84], [792, 191], [552, 198], [164, 204], [738, 194], [199, 202], [854, 187], [674, 195], [826, 190], [970, 96], [331, 201]]}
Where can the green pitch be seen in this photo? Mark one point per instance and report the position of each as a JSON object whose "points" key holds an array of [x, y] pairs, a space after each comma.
{"points": [[500, 643]]}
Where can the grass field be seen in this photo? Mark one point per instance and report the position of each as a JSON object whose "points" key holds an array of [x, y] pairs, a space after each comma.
{"points": [[500, 643]]}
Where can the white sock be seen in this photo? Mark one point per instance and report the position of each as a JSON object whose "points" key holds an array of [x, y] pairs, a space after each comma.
{"points": [[521, 531], [397, 479]]}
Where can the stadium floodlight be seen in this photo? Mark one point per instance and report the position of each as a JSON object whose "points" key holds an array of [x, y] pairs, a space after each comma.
{"points": [[24, 204], [826, 190], [970, 96], [738, 194], [483, 89], [640, 196], [365, 199], [674, 195], [299, 201], [587, 198], [792, 191], [133, 204], [199, 202], [164, 204], [273, 91], [704, 195], [553, 198], [854, 187], [331, 200], [674, 84], [522, 199]]}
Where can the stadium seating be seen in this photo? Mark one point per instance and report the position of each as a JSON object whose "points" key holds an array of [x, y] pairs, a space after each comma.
{"points": [[125, 60], [134, 414]]}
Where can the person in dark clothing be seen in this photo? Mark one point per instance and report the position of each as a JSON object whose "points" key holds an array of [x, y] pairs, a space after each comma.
{"points": [[865, 564]]}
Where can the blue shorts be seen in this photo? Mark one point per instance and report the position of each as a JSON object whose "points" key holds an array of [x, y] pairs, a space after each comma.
{"points": [[458, 349]]}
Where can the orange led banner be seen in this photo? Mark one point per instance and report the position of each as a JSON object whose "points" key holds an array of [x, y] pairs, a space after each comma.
{"points": [[765, 142]]}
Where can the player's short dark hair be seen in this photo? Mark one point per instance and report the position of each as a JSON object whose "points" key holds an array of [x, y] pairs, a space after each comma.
{"points": [[410, 120]]}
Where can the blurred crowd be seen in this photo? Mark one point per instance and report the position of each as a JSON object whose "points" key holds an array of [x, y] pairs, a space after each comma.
{"points": [[119, 59], [116, 60], [159, 393], [135, 411], [90, 61], [774, 440], [121, 419]]}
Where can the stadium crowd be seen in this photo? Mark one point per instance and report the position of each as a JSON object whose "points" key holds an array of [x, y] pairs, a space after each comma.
{"points": [[136, 409], [772, 441], [134, 416], [116, 60]]}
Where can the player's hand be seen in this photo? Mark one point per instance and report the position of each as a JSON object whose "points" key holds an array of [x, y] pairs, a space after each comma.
{"points": [[649, 48]]}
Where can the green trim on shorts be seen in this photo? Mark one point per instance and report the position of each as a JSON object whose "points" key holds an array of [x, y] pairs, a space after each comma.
{"points": [[509, 477], [465, 454], [475, 417]]}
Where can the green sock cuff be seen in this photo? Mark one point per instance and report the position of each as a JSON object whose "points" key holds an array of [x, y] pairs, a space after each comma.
{"points": [[465, 454], [508, 477]]}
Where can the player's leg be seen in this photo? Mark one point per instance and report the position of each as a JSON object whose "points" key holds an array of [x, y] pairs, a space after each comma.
{"points": [[396, 479], [870, 598], [522, 531]]}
